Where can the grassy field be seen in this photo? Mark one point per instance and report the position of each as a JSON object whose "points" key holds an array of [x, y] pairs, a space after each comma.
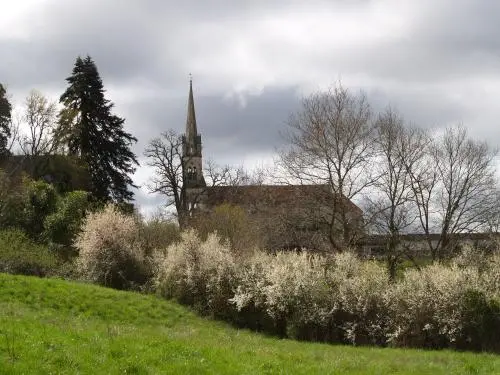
{"points": [[57, 327]]}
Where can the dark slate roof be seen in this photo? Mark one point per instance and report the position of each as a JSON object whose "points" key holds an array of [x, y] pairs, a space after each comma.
{"points": [[273, 195]]}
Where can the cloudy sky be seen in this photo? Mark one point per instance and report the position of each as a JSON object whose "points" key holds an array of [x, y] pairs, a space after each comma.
{"points": [[436, 61]]}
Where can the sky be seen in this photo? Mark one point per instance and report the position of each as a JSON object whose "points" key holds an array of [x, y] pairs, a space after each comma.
{"points": [[436, 61]]}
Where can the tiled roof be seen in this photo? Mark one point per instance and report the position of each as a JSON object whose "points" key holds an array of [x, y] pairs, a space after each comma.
{"points": [[276, 195]]}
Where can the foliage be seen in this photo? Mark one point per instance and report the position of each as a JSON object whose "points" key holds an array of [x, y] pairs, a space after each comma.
{"points": [[157, 233], [5, 119], [10, 202], [62, 226], [109, 250], [40, 200], [25, 205], [21, 255], [39, 118], [232, 224], [89, 130]]}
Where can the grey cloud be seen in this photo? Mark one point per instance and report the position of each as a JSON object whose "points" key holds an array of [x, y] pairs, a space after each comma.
{"points": [[153, 43], [227, 128]]}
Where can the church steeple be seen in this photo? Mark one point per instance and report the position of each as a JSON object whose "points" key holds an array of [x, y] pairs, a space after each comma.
{"points": [[191, 130], [191, 148]]}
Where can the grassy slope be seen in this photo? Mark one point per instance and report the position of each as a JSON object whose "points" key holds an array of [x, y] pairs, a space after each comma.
{"points": [[52, 326]]}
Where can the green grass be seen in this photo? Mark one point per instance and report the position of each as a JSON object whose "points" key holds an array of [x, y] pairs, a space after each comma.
{"points": [[57, 327]]}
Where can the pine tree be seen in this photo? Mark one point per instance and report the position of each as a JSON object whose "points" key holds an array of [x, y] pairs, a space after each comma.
{"points": [[5, 117], [87, 129]]}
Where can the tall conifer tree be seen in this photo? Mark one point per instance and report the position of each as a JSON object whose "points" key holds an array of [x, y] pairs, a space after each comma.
{"points": [[87, 129], [5, 118]]}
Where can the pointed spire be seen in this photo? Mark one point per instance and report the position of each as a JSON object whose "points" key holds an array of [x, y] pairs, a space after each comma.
{"points": [[191, 130]]}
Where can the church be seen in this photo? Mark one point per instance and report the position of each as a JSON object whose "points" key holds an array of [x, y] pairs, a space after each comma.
{"points": [[285, 216]]}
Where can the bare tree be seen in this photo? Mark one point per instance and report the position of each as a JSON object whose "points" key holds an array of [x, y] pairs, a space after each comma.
{"points": [[421, 166], [165, 156], [466, 172], [331, 143], [392, 211], [40, 119]]}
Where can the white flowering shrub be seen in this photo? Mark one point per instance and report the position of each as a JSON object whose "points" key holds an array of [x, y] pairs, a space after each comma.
{"points": [[289, 288], [358, 289], [311, 297], [199, 273], [490, 277], [472, 257], [339, 298], [109, 250], [425, 307]]}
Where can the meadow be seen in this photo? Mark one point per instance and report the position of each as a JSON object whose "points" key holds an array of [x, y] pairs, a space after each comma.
{"points": [[52, 326]]}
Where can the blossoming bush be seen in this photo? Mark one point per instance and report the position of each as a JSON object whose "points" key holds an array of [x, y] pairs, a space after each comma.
{"points": [[339, 298], [424, 306], [109, 250], [289, 288], [198, 273], [315, 298], [359, 313]]}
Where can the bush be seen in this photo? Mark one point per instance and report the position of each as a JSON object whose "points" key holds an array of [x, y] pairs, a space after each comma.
{"points": [[26, 204], [425, 306], [11, 202], [359, 310], [311, 297], [40, 201], [480, 317], [157, 234], [20, 255], [232, 224], [62, 226], [109, 250], [339, 298], [198, 273]]}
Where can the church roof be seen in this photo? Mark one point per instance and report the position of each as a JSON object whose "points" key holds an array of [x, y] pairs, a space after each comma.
{"points": [[273, 195]]}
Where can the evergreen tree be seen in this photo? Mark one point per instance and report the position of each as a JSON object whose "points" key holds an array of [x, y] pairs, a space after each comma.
{"points": [[5, 118], [88, 130]]}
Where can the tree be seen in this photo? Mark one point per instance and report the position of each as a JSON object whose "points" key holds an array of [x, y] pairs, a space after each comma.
{"points": [[40, 119], [420, 165], [467, 198], [5, 121], [88, 129], [164, 154], [331, 143], [392, 210], [453, 184]]}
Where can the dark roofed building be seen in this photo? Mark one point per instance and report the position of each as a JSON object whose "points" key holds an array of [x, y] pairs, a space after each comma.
{"points": [[286, 216]]}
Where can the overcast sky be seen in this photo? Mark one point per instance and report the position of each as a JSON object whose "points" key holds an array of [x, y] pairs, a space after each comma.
{"points": [[436, 61]]}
